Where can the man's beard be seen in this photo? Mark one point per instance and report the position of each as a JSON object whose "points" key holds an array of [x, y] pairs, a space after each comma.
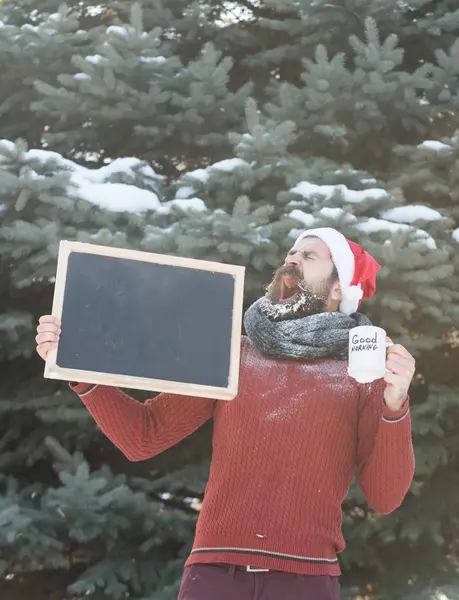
{"points": [[294, 298]]}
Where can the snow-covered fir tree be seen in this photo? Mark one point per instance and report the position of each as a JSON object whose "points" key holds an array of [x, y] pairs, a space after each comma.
{"points": [[218, 131]]}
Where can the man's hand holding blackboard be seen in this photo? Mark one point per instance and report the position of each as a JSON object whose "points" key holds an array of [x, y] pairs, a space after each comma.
{"points": [[47, 337]]}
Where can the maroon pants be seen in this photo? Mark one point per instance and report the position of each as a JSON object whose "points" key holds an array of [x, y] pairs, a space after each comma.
{"points": [[226, 582]]}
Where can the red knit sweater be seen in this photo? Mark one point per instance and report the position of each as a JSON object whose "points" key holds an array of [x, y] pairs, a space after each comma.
{"points": [[284, 454]]}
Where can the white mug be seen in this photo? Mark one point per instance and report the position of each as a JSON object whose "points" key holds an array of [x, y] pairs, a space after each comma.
{"points": [[367, 353]]}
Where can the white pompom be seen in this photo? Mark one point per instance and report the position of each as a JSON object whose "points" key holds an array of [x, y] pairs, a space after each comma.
{"points": [[351, 297]]}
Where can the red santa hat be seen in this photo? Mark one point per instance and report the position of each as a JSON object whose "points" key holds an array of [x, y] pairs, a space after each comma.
{"points": [[356, 268]]}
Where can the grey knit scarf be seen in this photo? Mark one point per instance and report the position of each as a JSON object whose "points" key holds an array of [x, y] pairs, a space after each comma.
{"points": [[317, 336]]}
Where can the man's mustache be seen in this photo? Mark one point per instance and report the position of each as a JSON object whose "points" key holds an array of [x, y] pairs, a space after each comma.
{"points": [[275, 286], [290, 271]]}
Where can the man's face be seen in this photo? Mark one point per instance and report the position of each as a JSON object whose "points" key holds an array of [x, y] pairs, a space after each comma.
{"points": [[303, 285]]}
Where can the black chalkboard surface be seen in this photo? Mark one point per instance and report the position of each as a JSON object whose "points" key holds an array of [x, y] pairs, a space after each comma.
{"points": [[147, 321]]}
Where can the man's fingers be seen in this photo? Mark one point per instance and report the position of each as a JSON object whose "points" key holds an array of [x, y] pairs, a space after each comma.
{"points": [[44, 349], [49, 319], [399, 364], [48, 331], [47, 336], [398, 349], [392, 379], [48, 327]]}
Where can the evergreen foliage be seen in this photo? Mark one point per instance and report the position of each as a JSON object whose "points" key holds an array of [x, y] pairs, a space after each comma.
{"points": [[220, 130]]}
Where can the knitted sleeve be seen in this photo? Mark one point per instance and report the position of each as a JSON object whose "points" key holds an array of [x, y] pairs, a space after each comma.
{"points": [[385, 456], [142, 430]]}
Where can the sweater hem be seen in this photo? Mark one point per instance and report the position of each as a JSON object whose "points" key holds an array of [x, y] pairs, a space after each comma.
{"points": [[396, 419], [81, 389], [395, 416], [262, 559]]}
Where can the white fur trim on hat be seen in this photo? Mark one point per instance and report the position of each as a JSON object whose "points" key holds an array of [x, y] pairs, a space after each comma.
{"points": [[343, 259]]}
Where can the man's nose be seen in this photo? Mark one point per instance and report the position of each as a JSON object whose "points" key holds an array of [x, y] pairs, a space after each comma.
{"points": [[292, 260]]}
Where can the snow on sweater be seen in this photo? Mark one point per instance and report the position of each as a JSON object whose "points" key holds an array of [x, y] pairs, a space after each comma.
{"points": [[285, 451]]}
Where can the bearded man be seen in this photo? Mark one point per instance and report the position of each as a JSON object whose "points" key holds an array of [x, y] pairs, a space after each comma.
{"points": [[286, 449]]}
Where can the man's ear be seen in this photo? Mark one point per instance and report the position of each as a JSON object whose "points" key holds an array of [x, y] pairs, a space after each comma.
{"points": [[336, 292]]}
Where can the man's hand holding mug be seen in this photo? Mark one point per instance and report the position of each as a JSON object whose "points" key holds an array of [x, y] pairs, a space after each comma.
{"points": [[372, 355]]}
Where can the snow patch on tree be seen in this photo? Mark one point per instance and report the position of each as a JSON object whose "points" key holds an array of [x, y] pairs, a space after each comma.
{"points": [[308, 189], [412, 213]]}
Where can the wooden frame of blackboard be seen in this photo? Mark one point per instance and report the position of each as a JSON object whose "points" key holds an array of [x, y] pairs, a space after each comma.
{"points": [[54, 371]]}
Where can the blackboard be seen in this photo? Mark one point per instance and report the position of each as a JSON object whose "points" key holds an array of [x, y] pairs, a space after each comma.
{"points": [[148, 321]]}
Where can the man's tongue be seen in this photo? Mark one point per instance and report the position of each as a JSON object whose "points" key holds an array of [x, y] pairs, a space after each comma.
{"points": [[289, 288], [290, 282]]}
